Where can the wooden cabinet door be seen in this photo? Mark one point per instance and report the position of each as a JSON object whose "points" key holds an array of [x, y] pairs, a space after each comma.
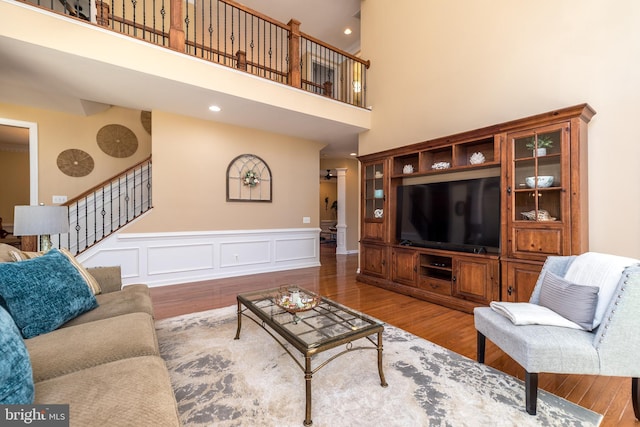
{"points": [[373, 260], [374, 200], [538, 185], [518, 280], [404, 267], [475, 279]]}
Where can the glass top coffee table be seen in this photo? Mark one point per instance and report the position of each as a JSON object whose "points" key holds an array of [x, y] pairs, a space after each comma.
{"points": [[311, 324]]}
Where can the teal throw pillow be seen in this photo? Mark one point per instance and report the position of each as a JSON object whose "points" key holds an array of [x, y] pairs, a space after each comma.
{"points": [[16, 376], [43, 293]]}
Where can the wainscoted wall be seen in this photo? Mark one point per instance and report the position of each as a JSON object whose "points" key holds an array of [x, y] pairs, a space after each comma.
{"points": [[170, 258]]}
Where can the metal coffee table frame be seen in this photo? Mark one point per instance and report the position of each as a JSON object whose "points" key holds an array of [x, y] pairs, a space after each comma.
{"points": [[331, 323]]}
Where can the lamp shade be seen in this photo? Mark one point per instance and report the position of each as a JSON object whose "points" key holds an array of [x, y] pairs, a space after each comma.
{"points": [[38, 220]]}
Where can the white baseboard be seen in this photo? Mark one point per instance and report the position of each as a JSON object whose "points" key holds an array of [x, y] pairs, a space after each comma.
{"points": [[158, 259]]}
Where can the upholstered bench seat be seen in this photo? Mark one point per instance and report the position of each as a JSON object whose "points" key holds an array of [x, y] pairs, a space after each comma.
{"points": [[540, 348]]}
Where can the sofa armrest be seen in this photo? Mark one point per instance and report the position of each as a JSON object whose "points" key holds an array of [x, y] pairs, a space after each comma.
{"points": [[109, 278]]}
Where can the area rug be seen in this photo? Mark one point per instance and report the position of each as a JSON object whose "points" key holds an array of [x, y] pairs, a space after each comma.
{"points": [[219, 381]]}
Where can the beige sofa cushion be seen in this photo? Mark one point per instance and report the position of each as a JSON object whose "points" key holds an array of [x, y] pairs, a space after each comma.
{"points": [[133, 392], [131, 299], [109, 278], [82, 346]]}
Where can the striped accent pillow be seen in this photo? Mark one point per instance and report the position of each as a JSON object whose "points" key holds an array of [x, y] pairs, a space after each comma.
{"points": [[574, 302]]}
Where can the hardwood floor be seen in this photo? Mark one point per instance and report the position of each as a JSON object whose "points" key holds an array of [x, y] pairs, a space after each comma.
{"points": [[452, 329]]}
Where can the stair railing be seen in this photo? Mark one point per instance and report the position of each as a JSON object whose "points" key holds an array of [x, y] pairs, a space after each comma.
{"points": [[107, 207]]}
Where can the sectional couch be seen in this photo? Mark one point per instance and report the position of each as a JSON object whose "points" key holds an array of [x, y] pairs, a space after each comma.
{"points": [[104, 362]]}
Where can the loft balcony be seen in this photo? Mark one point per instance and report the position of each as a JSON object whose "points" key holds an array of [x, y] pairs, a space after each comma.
{"points": [[230, 34]]}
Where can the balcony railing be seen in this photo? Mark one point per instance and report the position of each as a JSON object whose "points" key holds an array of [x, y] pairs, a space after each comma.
{"points": [[233, 35]]}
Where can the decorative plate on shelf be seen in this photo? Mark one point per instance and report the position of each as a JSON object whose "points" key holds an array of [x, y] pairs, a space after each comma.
{"points": [[295, 300], [441, 165], [377, 213]]}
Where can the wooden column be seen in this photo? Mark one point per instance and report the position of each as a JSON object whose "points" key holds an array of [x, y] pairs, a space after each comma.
{"points": [[294, 54], [241, 58], [328, 88], [176, 31], [102, 13], [29, 243]]}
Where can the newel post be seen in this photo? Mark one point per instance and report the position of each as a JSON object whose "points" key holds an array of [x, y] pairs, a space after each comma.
{"points": [[294, 53], [241, 60], [176, 32], [102, 13]]}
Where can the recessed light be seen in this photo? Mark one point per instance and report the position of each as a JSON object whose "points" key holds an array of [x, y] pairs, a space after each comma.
{"points": [[214, 108], [347, 31], [353, 154]]}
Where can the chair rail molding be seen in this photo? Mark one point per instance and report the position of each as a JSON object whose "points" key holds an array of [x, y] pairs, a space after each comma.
{"points": [[159, 259]]}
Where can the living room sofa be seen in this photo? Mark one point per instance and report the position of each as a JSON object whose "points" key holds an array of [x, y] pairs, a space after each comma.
{"points": [[105, 363]]}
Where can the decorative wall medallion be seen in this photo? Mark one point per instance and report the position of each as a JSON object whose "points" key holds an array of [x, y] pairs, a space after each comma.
{"points": [[145, 119], [248, 179], [75, 163], [117, 141]]}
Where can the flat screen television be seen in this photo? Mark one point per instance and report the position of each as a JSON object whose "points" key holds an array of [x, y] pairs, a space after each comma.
{"points": [[454, 215]]}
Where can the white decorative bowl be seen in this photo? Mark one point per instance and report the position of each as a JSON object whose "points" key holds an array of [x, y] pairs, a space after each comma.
{"points": [[543, 181], [441, 165]]}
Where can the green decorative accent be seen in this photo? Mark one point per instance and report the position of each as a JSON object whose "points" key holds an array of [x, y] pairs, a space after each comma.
{"points": [[43, 293], [543, 142]]}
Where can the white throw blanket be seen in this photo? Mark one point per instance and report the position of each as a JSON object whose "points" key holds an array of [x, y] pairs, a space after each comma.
{"points": [[524, 313], [601, 270]]}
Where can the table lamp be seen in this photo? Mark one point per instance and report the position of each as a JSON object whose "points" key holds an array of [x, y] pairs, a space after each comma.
{"points": [[40, 221]]}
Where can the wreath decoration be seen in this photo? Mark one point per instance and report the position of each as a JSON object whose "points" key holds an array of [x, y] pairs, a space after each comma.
{"points": [[251, 179]]}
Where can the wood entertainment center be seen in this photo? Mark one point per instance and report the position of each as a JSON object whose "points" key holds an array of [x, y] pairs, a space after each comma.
{"points": [[543, 208]]}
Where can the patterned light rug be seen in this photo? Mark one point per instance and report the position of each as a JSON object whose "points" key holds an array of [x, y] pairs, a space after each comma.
{"points": [[254, 382]]}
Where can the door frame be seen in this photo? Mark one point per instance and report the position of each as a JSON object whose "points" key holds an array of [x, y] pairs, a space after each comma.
{"points": [[33, 154]]}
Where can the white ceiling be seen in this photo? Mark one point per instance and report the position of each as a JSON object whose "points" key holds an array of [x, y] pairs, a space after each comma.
{"points": [[39, 77]]}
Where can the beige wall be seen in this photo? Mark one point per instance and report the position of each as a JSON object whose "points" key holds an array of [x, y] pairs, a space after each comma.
{"points": [[353, 197], [59, 131], [441, 67], [190, 159], [14, 183]]}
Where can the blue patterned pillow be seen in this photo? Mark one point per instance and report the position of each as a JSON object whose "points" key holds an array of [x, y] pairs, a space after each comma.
{"points": [[16, 376], [43, 293]]}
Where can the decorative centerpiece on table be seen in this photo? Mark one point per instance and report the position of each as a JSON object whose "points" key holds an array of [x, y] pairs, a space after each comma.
{"points": [[251, 179], [295, 300]]}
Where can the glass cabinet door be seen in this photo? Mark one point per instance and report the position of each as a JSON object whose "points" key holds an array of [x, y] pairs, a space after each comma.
{"points": [[374, 196], [537, 175]]}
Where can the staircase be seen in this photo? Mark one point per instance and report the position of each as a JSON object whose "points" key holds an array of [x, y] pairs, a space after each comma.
{"points": [[106, 208]]}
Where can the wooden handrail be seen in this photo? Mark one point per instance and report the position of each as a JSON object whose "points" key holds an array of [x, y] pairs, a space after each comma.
{"points": [[288, 27], [175, 39], [367, 63], [138, 26], [105, 182]]}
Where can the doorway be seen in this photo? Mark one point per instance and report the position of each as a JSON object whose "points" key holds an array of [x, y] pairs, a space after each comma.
{"points": [[19, 167]]}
